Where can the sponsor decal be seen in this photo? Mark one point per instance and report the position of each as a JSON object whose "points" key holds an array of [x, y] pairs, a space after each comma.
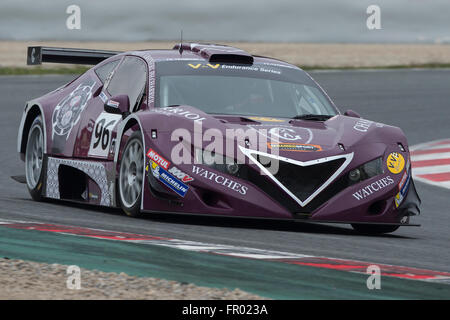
{"points": [[217, 178], [362, 125], [112, 104], [103, 96], [373, 188], [181, 112], [250, 68], [68, 111], [395, 162], [284, 133], [93, 196], [158, 159], [102, 135], [287, 146], [169, 180], [403, 187], [200, 65], [266, 119], [180, 175]]}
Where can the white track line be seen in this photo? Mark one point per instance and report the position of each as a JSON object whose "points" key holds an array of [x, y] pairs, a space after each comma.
{"points": [[438, 146], [431, 169], [431, 156], [426, 144]]}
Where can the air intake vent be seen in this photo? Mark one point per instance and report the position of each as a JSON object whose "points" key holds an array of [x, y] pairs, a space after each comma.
{"points": [[304, 181], [215, 53], [231, 58]]}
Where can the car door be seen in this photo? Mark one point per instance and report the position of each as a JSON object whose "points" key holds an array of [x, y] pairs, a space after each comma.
{"points": [[98, 132]]}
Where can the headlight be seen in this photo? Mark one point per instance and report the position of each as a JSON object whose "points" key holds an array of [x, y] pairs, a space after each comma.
{"points": [[367, 170], [355, 175], [218, 162]]}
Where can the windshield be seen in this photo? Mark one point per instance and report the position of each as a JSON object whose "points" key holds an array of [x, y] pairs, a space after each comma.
{"points": [[257, 90]]}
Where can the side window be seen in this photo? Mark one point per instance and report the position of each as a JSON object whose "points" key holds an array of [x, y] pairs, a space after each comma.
{"points": [[130, 79], [104, 70]]}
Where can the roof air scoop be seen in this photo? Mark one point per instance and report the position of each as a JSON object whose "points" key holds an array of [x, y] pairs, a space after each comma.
{"points": [[217, 53]]}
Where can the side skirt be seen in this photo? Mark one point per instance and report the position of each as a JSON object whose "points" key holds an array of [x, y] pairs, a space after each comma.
{"points": [[85, 181]]}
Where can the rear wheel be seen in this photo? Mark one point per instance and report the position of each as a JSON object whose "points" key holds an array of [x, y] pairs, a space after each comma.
{"points": [[131, 175], [374, 228], [34, 156]]}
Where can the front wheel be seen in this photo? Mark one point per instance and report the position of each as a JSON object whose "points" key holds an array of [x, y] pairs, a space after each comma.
{"points": [[374, 228], [34, 156], [131, 175]]}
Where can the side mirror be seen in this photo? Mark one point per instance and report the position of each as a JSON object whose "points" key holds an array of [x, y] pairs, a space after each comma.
{"points": [[118, 105], [351, 113]]}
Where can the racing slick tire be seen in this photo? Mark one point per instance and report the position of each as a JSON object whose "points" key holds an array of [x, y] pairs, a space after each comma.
{"points": [[131, 175], [374, 228], [34, 159]]}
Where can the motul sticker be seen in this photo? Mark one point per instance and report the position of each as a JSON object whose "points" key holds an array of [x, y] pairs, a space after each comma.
{"points": [[158, 159]]}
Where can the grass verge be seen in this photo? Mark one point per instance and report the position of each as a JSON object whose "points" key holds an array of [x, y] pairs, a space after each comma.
{"points": [[39, 70], [82, 69], [410, 66]]}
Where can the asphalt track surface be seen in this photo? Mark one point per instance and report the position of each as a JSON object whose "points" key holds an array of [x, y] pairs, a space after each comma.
{"points": [[418, 101]]}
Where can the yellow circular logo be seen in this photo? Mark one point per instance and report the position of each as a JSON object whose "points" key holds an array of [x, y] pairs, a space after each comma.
{"points": [[395, 162]]}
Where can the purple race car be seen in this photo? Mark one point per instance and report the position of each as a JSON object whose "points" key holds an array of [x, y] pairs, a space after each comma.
{"points": [[211, 130]]}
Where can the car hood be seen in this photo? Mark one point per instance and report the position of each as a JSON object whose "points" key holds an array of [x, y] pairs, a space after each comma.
{"points": [[338, 134]]}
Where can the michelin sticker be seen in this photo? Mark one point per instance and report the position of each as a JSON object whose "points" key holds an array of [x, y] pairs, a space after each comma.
{"points": [[168, 179]]}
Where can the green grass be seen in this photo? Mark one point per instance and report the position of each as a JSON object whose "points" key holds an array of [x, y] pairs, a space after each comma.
{"points": [[409, 66], [81, 69], [40, 70]]}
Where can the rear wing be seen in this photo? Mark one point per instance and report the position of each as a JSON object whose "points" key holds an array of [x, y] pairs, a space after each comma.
{"points": [[37, 55]]}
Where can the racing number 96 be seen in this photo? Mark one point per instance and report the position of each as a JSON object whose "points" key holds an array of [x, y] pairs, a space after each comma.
{"points": [[102, 133]]}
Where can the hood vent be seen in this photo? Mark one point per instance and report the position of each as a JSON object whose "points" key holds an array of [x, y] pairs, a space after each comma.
{"points": [[215, 53]]}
